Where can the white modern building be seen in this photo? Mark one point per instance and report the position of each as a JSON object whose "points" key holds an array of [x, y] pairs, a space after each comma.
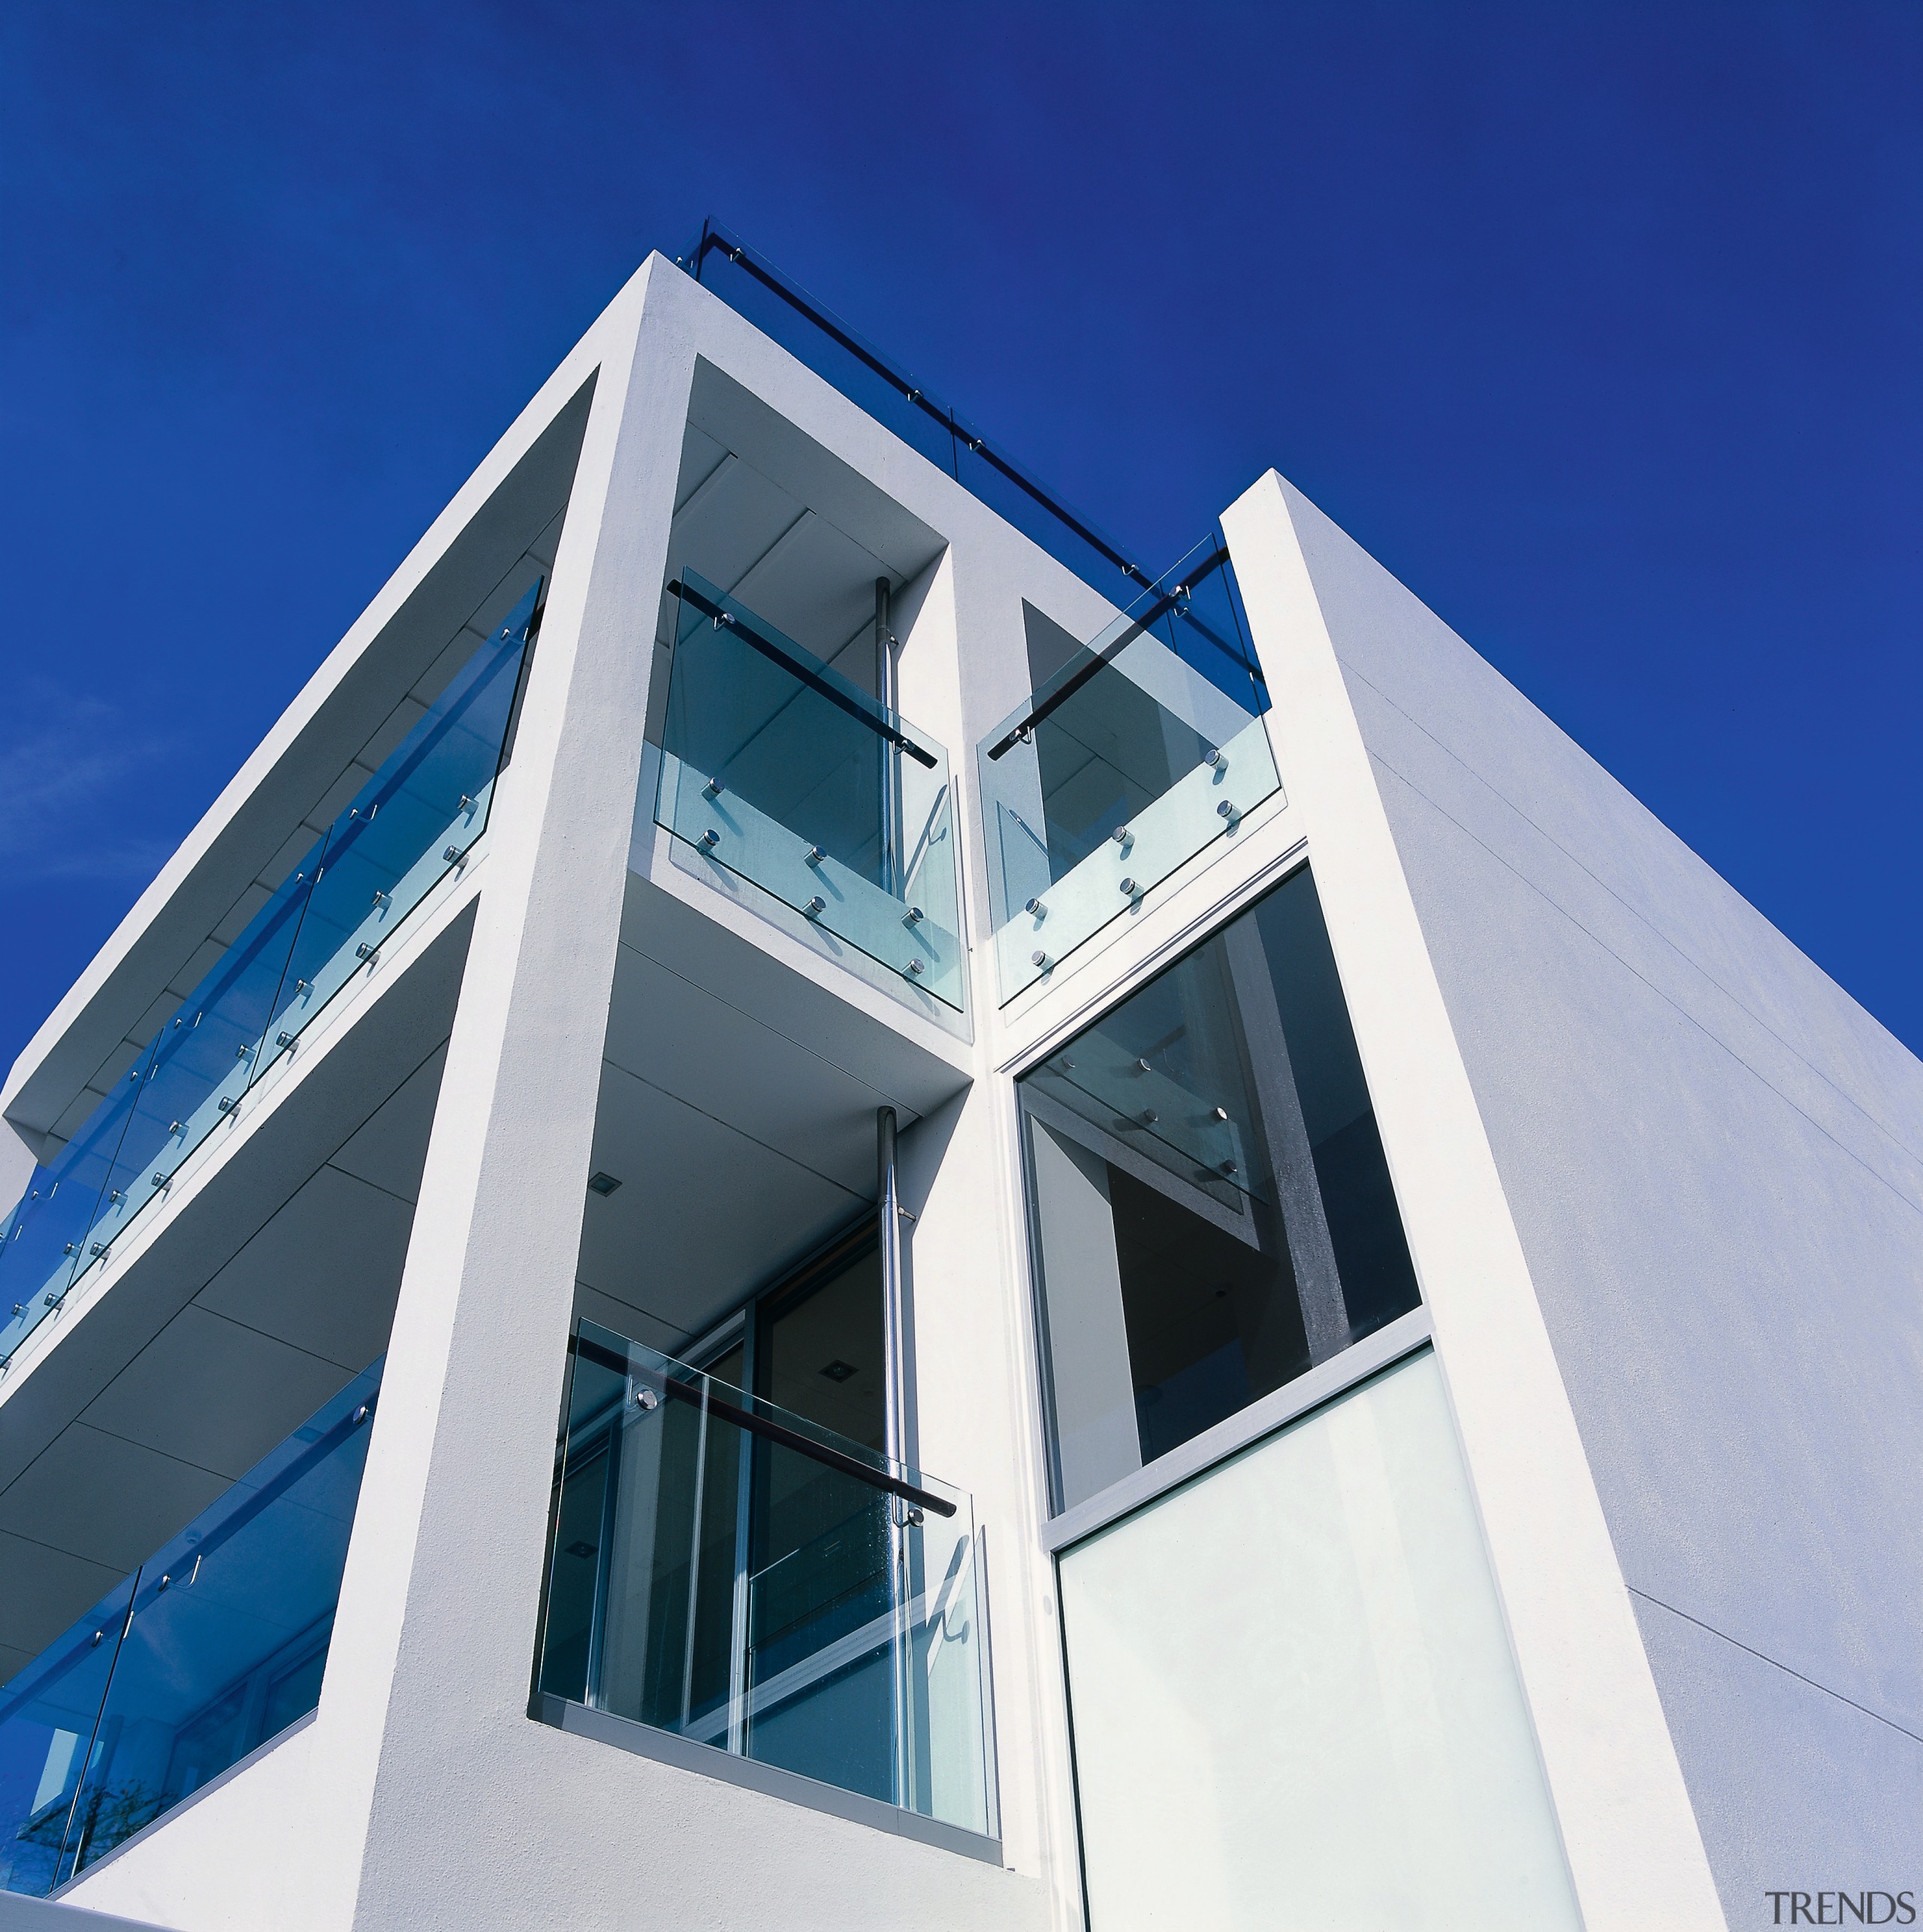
{"points": [[814, 1208]]}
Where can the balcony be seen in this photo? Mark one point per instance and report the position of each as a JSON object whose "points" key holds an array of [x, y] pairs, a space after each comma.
{"points": [[782, 310], [1129, 758], [215, 1645], [727, 1572], [777, 767], [413, 821]]}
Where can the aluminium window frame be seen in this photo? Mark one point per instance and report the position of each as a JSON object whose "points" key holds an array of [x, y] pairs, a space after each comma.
{"points": [[746, 1326], [1322, 1383], [1406, 1336]]}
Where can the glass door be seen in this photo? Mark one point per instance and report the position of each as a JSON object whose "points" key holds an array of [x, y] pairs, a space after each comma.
{"points": [[821, 1350], [820, 1636]]}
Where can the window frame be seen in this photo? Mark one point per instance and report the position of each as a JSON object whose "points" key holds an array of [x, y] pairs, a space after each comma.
{"points": [[1322, 1383]]}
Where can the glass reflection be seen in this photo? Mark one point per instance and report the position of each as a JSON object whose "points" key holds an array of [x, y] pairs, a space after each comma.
{"points": [[1213, 1210]]}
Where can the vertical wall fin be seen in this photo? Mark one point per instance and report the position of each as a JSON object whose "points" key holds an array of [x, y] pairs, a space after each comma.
{"points": [[1635, 1854]]}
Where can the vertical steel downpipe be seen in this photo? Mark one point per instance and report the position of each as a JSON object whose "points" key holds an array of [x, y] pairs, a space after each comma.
{"points": [[895, 1340], [694, 1560], [886, 695], [737, 1656], [895, 1428]]}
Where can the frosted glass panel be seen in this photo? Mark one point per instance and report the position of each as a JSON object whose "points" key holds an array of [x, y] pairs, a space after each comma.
{"points": [[1293, 1701]]}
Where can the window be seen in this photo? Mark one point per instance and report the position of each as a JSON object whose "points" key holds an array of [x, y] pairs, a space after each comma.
{"points": [[757, 1575], [1213, 1213], [1294, 1699]]}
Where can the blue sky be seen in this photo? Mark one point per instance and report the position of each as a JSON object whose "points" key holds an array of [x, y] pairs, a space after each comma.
{"points": [[1599, 324]]}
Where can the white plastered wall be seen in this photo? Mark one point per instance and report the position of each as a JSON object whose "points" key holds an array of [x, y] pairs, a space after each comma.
{"points": [[1635, 1855], [313, 1808], [964, 665], [1714, 1159], [421, 1793]]}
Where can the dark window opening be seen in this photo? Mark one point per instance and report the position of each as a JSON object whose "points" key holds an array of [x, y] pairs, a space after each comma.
{"points": [[1213, 1211]]}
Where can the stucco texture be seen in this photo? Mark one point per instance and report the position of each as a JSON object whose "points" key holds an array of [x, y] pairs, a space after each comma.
{"points": [[1712, 1156]]}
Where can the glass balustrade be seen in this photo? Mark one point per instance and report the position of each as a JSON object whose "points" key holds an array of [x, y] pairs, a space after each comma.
{"points": [[730, 1571], [213, 1646], [1142, 749], [783, 771], [754, 287], [409, 825]]}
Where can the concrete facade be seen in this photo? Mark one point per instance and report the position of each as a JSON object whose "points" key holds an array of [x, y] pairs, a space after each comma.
{"points": [[1712, 1156], [1654, 1170]]}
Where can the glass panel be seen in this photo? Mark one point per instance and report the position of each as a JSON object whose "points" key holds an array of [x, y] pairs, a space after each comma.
{"points": [[215, 1645], [821, 1634], [1065, 534], [413, 821], [204, 1056], [777, 769], [49, 1232], [1367, 1760], [754, 288], [1213, 1211], [642, 1582], [948, 1753], [229, 1635], [732, 1571], [786, 315], [1133, 753], [47, 1717], [824, 1355], [36, 1254]]}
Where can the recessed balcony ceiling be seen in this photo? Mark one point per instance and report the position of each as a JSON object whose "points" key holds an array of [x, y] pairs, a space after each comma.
{"points": [[772, 517], [741, 1127]]}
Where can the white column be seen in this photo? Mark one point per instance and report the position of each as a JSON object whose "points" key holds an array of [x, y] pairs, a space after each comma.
{"points": [[1635, 1853], [423, 1717], [1096, 1434]]}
